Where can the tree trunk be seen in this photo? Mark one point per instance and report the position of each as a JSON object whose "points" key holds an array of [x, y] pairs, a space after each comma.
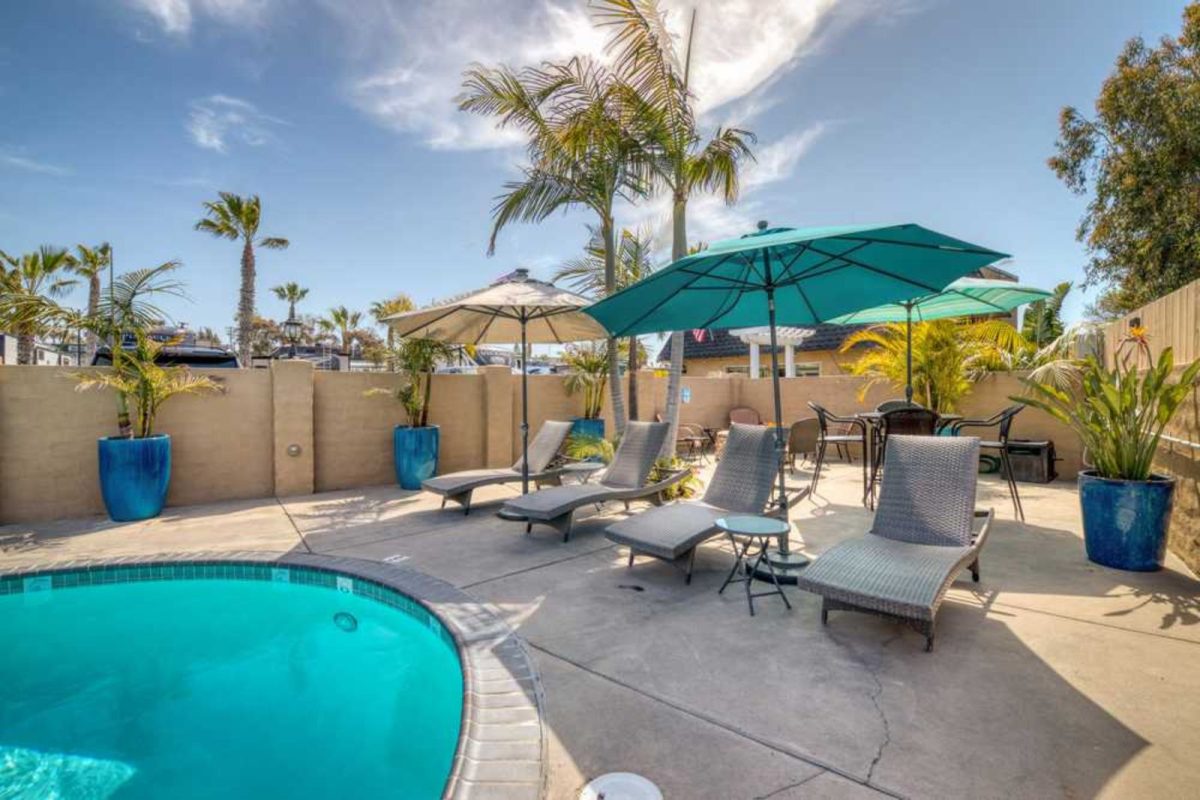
{"points": [[614, 358], [425, 402], [633, 381], [93, 341], [679, 249], [246, 305], [25, 348]]}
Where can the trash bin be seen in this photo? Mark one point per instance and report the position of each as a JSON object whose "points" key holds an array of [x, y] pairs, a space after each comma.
{"points": [[1032, 462]]}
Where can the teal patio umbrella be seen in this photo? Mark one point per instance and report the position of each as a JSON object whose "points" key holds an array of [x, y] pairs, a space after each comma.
{"points": [[791, 276], [965, 297]]}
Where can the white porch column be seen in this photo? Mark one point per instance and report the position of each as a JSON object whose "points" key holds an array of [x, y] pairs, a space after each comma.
{"points": [[754, 368], [789, 361]]}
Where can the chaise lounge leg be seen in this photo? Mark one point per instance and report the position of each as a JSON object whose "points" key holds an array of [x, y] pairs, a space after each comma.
{"points": [[824, 612], [463, 499], [562, 524], [630, 557], [975, 570], [691, 563]]}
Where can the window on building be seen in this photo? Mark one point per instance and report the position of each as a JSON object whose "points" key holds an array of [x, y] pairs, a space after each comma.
{"points": [[808, 369]]}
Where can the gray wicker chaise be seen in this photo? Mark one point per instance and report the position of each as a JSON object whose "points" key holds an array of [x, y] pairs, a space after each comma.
{"points": [[741, 484], [922, 537], [625, 479], [458, 486]]}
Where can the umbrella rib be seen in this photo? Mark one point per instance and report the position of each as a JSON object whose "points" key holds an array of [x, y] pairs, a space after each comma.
{"points": [[482, 333], [868, 267], [697, 276], [808, 304], [433, 321], [943, 247], [829, 257], [550, 325]]}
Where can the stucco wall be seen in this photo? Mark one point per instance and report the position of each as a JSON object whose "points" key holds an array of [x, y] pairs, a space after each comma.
{"points": [[237, 444]]}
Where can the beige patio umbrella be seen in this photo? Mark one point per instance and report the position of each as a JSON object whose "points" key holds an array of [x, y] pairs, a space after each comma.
{"points": [[516, 308]]}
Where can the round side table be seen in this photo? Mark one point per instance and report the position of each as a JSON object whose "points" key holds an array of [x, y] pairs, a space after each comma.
{"points": [[744, 532]]}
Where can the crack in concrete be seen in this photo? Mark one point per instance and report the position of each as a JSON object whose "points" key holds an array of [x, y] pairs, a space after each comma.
{"points": [[292, 522], [876, 697], [783, 789]]}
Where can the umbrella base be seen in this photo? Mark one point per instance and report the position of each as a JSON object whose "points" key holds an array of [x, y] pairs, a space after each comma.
{"points": [[786, 565]]}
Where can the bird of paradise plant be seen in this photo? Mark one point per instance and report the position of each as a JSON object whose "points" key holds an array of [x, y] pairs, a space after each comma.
{"points": [[1119, 413]]}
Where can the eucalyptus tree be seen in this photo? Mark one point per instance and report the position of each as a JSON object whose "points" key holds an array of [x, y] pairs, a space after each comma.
{"points": [[90, 264], [290, 293], [586, 275], [655, 87], [582, 153], [237, 218], [31, 282]]}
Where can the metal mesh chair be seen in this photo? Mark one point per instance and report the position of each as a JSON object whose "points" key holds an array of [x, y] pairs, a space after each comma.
{"points": [[744, 415], [1003, 423], [892, 405], [826, 438]]}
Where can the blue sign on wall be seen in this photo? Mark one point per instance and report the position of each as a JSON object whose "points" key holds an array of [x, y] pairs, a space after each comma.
{"points": [[685, 394]]}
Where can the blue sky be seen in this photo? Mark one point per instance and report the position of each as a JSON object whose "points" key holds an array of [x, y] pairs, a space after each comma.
{"points": [[120, 118]]}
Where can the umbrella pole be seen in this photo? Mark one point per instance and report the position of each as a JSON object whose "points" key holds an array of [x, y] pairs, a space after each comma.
{"points": [[524, 410], [908, 390], [784, 562]]}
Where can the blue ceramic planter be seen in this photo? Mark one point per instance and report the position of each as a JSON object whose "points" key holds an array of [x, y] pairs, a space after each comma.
{"points": [[588, 427], [134, 474], [416, 454], [1125, 522]]}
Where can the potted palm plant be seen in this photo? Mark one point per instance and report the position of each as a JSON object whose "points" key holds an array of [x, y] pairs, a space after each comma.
{"points": [[588, 376], [135, 465], [415, 445], [1119, 415]]}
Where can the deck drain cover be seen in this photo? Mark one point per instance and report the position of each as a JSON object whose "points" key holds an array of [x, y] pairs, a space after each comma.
{"points": [[633, 587], [620, 786]]}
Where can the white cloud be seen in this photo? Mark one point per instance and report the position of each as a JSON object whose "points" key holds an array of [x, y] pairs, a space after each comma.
{"points": [[15, 161], [216, 121], [408, 58], [176, 17], [709, 217]]}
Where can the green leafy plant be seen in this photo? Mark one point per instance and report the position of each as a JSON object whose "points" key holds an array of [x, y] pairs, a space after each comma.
{"points": [[144, 385], [1118, 413], [588, 375], [668, 465], [947, 357], [581, 447], [416, 359]]}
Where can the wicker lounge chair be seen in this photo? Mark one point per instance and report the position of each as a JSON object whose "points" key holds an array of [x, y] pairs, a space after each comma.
{"points": [[625, 479], [922, 537], [458, 486], [741, 484]]}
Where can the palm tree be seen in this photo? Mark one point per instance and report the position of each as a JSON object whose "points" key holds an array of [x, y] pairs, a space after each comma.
{"points": [[345, 322], [90, 263], [582, 153], [586, 275], [30, 283], [1043, 319], [290, 293], [237, 218], [948, 356], [655, 88], [382, 309]]}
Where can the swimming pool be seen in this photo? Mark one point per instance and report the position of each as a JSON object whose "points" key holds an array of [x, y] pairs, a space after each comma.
{"points": [[223, 680]]}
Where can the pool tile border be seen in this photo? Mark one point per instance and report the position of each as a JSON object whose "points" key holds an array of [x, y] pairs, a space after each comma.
{"points": [[502, 744]]}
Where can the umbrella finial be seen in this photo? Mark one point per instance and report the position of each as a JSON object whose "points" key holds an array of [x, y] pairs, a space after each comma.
{"points": [[762, 224], [520, 274]]}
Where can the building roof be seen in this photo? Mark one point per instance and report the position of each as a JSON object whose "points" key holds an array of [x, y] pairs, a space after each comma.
{"points": [[720, 343]]}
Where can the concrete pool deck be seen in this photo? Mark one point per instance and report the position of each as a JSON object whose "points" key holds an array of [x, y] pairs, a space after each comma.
{"points": [[1052, 677]]}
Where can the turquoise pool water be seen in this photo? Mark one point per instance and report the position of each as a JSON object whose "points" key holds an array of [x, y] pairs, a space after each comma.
{"points": [[218, 688]]}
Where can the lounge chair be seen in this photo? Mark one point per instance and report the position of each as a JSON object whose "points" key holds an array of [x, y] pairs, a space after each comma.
{"points": [[458, 486], [741, 484], [922, 537], [625, 479]]}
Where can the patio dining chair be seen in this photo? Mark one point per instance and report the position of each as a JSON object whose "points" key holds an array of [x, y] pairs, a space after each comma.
{"points": [[744, 415], [892, 405], [802, 440], [855, 432], [922, 536], [1003, 423]]}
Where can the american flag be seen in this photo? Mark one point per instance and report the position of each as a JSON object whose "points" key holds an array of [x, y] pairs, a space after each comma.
{"points": [[698, 334]]}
